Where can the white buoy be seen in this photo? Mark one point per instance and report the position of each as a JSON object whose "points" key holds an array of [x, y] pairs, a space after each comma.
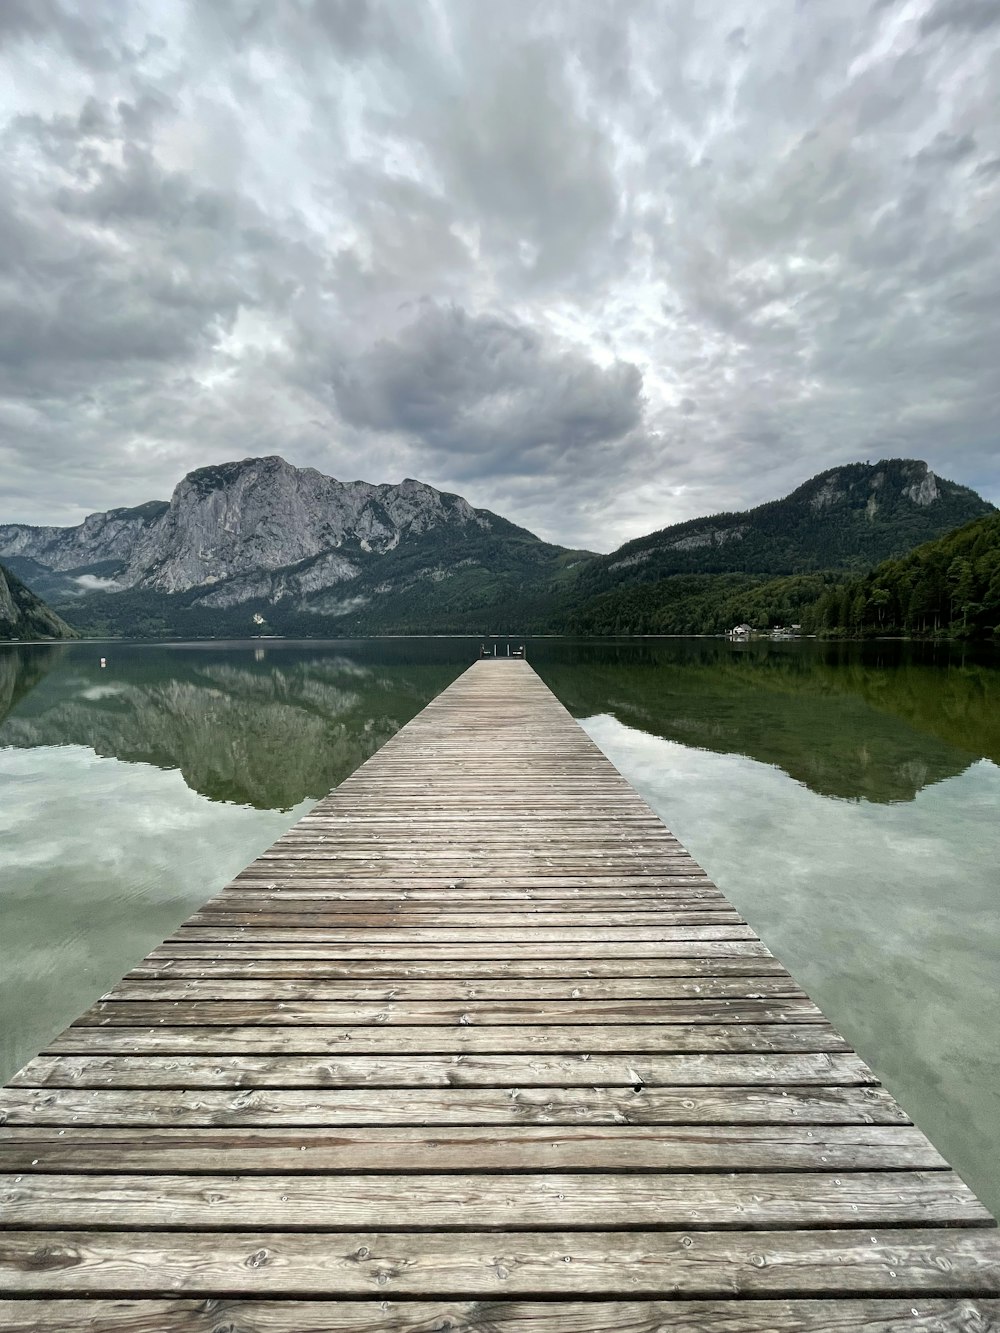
{"points": [[104, 661]]}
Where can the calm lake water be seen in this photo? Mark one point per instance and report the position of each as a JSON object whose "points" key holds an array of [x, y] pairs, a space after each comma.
{"points": [[846, 798]]}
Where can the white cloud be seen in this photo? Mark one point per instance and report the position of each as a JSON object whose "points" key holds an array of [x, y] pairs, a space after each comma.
{"points": [[93, 583]]}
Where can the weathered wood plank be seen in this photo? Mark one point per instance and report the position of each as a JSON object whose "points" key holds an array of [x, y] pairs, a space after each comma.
{"points": [[964, 1315], [417, 886], [456, 935], [447, 969], [414, 1071], [240, 1013], [469, 1038], [325, 918], [763, 1104], [395, 1149], [347, 895], [474, 1202], [250, 947], [320, 895], [501, 1265], [458, 988]]}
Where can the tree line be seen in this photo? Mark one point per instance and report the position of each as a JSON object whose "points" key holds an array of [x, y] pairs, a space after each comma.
{"points": [[949, 588]]}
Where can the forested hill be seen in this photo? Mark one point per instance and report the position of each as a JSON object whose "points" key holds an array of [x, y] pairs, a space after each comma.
{"points": [[23, 615], [775, 564], [847, 518], [946, 587]]}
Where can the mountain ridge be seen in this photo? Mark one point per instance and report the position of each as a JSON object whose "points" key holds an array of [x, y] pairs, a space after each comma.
{"points": [[260, 543], [856, 503]]}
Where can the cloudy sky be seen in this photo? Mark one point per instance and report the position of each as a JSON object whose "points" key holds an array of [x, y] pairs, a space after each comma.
{"points": [[599, 266]]}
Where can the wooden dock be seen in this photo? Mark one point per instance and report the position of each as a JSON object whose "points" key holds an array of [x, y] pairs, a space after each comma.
{"points": [[475, 1046]]}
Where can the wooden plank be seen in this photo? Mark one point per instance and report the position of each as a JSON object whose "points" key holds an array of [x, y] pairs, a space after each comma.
{"points": [[457, 971], [462, 1039], [538, 990], [250, 947], [453, 936], [555, 869], [322, 917], [963, 1315], [395, 1149], [344, 899], [477, 1201], [494, 884], [393, 968], [637, 840], [415, 1071], [354, 815], [705, 1105], [503, 1265], [240, 1013]]}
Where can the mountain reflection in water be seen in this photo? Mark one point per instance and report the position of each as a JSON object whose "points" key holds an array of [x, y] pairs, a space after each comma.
{"points": [[269, 726], [875, 722], [248, 725]]}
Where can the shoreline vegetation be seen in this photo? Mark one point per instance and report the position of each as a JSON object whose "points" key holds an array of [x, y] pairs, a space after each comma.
{"points": [[756, 636]]}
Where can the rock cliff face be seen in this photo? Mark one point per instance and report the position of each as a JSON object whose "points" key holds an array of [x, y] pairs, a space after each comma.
{"points": [[243, 522], [264, 515], [25, 616], [99, 539]]}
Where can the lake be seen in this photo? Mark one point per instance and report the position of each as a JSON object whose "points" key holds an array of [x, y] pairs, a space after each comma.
{"points": [[845, 797]]}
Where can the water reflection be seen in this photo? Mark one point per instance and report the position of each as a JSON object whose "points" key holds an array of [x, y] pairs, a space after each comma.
{"points": [[270, 726], [267, 728], [877, 722]]}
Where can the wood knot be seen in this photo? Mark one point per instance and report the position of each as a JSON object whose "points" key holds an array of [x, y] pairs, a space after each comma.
{"points": [[48, 1257]]}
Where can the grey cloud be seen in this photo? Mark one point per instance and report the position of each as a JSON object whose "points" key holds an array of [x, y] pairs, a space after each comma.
{"points": [[491, 393], [123, 261], [483, 102], [96, 36], [946, 149], [521, 157], [970, 15], [305, 28]]}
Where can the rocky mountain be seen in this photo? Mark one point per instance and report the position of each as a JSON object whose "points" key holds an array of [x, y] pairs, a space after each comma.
{"points": [[260, 546], [23, 615], [264, 539], [847, 517], [243, 521]]}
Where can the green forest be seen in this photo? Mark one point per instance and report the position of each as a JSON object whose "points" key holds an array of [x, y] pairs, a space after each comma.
{"points": [[945, 588], [948, 588], [701, 604]]}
